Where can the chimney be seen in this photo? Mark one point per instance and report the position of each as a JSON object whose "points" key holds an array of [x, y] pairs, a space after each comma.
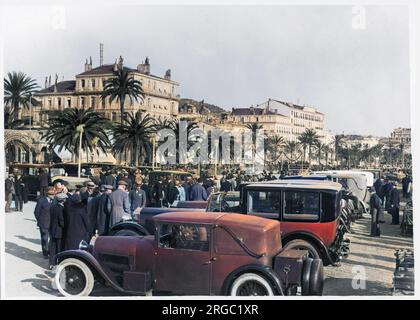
{"points": [[46, 82], [120, 63], [168, 74], [145, 67], [86, 66]]}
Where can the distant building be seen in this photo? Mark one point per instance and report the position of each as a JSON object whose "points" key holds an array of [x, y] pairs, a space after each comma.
{"points": [[401, 135], [283, 118], [160, 101]]}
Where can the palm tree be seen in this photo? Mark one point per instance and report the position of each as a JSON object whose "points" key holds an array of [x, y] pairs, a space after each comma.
{"points": [[18, 89], [174, 125], [291, 148], [64, 131], [338, 140], [135, 134], [320, 147], [122, 86], [274, 147], [308, 139], [10, 122]]}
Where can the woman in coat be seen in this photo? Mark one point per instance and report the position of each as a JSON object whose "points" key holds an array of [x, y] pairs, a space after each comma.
{"points": [[76, 222], [21, 190]]}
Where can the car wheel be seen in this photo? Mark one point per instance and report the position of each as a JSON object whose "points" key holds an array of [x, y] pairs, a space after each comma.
{"points": [[251, 284], [316, 281], [298, 244], [127, 233], [74, 278]]}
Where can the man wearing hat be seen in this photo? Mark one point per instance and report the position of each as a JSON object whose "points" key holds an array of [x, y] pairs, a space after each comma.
{"points": [[103, 213], [120, 203], [9, 190], [394, 204], [42, 215], [56, 226]]}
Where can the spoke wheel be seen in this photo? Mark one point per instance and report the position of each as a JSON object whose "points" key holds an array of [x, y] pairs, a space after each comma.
{"points": [[74, 278], [251, 284]]}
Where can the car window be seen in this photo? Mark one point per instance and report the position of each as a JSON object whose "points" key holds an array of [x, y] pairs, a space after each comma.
{"points": [[301, 205], [184, 236], [264, 203]]}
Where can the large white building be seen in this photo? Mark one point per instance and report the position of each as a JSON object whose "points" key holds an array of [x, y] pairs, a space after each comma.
{"points": [[283, 118]]}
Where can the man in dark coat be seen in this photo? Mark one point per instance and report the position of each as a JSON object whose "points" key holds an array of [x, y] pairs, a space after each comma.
{"points": [[92, 209], [145, 186], [187, 187], [405, 183], [110, 179], [172, 193], [197, 192], [42, 215], [103, 214], [56, 227], [378, 185], [394, 204], [137, 198], [22, 191], [76, 222], [44, 181], [375, 210], [225, 185]]}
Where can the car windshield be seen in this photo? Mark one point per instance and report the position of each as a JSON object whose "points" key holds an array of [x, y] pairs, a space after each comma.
{"points": [[224, 202]]}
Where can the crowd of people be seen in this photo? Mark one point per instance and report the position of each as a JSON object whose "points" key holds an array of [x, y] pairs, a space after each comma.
{"points": [[386, 197]]}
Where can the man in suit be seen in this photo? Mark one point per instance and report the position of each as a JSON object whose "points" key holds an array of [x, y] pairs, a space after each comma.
{"points": [[375, 210], [137, 198], [9, 190], [120, 203], [197, 192], [394, 204], [44, 181], [76, 222], [42, 215], [103, 213], [56, 227]]}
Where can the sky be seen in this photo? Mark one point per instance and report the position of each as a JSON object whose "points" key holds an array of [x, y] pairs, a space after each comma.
{"points": [[234, 56]]}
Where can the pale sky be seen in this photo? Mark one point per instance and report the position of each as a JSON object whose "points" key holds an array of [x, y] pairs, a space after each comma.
{"points": [[234, 56]]}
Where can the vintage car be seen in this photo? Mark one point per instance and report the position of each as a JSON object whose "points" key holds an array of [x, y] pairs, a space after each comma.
{"points": [[310, 212], [30, 176], [193, 253]]}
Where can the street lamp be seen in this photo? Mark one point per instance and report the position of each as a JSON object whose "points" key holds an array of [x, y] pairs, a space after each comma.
{"points": [[80, 129]]}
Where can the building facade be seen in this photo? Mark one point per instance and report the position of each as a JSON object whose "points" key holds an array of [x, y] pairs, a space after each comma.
{"points": [[401, 135], [160, 100], [283, 118]]}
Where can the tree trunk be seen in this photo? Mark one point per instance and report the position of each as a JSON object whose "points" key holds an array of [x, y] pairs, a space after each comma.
{"points": [[122, 100]]}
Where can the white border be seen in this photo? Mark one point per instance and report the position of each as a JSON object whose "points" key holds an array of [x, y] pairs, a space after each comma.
{"points": [[413, 14]]}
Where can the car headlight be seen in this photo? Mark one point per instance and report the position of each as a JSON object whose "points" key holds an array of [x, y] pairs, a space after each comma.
{"points": [[83, 245]]}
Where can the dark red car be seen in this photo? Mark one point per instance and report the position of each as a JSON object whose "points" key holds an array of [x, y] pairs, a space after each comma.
{"points": [[193, 253]]}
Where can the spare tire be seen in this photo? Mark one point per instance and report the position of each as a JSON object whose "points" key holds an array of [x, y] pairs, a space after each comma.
{"points": [[306, 276], [127, 233], [316, 281]]}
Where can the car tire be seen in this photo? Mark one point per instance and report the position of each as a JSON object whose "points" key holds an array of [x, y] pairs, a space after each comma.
{"points": [[306, 277], [299, 244], [127, 233], [80, 282], [316, 281], [251, 284]]}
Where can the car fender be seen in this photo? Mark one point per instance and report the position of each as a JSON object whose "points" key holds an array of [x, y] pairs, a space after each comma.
{"points": [[310, 237], [129, 225], [263, 270], [91, 262]]}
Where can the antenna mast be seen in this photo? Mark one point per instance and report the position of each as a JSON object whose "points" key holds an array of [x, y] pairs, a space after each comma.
{"points": [[101, 54]]}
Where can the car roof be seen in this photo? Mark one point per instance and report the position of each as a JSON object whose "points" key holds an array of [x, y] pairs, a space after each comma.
{"points": [[301, 183], [219, 218]]}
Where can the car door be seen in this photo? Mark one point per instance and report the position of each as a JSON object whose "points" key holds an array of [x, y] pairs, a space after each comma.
{"points": [[182, 259]]}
